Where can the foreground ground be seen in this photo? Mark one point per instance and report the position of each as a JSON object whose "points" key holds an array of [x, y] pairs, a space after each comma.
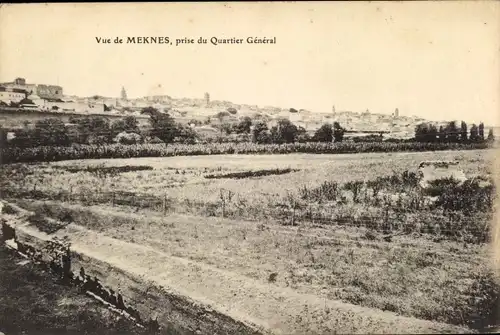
{"points": [[32, 302], [287, 221]]}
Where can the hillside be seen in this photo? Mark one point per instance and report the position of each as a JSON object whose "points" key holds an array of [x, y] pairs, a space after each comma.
{"points": [[186, 109], [399, 127]]}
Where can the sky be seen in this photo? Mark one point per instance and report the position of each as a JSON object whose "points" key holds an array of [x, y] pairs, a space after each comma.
{"points": [[437, 60]]}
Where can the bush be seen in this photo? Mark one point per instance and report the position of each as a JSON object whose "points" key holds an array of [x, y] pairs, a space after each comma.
{"points": [[153, 140], [50, 131], [368, 138], [186, 135], [97, 139], [92, 128], [127, 138], [244, 126], [469, 197]]}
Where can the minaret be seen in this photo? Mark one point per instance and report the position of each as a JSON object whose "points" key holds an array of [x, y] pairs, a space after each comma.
{"points": [[124, 94], [207, 99], [333, 109], [396, 113]]}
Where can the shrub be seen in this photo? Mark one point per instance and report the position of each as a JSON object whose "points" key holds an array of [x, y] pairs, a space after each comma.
{"points": [[127, 138], [469, 197]]}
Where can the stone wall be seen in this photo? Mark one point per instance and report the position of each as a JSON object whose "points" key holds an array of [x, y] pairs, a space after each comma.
{"points": [[149, 304]]}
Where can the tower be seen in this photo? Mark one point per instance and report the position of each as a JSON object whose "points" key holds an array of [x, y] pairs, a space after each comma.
{"points": [[333, 109], [207, 98], [396, 113], [124, 94]]}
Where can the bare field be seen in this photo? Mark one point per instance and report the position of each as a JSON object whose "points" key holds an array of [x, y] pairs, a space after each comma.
{"points": [[298, 221]]}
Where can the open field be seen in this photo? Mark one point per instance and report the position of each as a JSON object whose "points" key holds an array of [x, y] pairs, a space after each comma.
{"points": [[350, 227]]}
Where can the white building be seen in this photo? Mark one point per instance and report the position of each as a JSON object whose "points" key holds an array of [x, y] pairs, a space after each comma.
{"points": [[8, 95]]}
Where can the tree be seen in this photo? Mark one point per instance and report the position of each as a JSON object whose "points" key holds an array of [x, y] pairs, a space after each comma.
{"points": [[232, 110], [3, 137], [426, 132], [463, 134], [474, 134], [96, 128], [225, 128], [186, 135], [293, 110], [221, 116], [432, 134], [451, 132], [338, 132], [163, 125], [481, 132], [302, 135], [441, 135], [244, 126], [131, 123], [50, 131], [275, 135], [286, 131], [260, 132], [491, 137], [324, 133], [128, 124]]}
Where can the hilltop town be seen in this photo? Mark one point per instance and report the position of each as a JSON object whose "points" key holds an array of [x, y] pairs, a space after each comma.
{"points": [[50, 99]]}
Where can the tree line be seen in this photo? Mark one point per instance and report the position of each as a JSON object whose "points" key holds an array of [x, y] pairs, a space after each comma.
{"points": [[164, 129], [53, 131], [451, 133]]}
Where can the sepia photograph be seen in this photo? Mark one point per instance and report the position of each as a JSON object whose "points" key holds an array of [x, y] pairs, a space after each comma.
{"points": [[224, 168]]}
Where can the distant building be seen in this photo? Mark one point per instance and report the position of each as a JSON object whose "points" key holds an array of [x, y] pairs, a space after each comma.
{"points": [[161, 99], [123, 94], [42, 90], [8, 95], [207, 99], [396, 113]]}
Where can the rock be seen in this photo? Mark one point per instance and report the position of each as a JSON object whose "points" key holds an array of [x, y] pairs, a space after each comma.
{"points": [[429, 171]]}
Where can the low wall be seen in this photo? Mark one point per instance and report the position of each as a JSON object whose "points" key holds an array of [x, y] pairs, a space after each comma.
{"points": [[147, 303]]}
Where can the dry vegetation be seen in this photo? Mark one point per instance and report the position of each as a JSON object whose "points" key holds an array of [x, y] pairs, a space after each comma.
{"points": [[349, 227]]}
